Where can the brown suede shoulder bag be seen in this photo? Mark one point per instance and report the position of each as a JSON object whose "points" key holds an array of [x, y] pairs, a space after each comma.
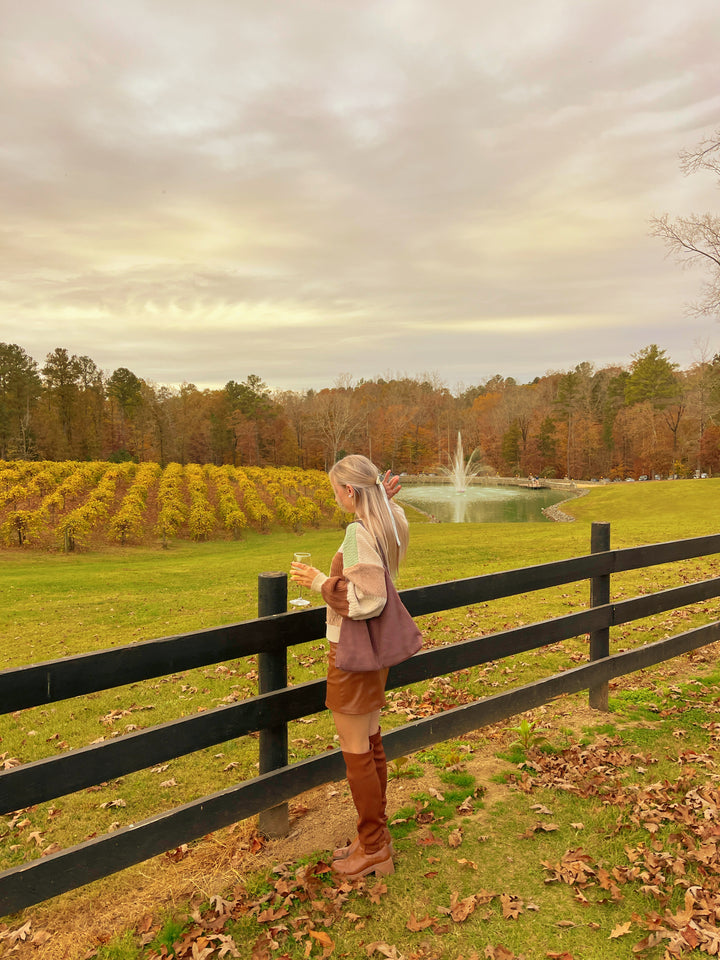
{"points": [[382, 641]]}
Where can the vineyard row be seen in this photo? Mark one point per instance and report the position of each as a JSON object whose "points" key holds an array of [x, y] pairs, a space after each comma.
{"points": [[76, 505]]}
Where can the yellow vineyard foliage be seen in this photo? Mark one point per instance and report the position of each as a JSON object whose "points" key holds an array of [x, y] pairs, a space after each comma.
{"points": [[78, 505]]}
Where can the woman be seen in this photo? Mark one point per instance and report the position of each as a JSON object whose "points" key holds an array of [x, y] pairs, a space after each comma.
{"points": [[356, 589]]}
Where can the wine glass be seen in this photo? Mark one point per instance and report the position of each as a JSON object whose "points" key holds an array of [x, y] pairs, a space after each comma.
{"points": [[300, 601]]}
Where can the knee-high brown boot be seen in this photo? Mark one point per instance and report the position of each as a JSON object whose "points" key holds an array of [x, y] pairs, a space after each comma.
{"points": [[372, 854], [376, 745]]}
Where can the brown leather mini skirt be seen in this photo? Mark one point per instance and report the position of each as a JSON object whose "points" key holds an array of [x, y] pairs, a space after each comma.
{"points": [[353, 693]]}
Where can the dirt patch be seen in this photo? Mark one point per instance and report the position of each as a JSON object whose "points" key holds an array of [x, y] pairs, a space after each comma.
{"points": [[324, 818]]}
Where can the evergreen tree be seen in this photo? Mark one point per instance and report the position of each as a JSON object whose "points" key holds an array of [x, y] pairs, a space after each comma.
{"points": [[20, 387]]}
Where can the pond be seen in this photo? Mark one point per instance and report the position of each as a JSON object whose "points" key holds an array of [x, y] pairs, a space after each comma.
{"points": [[481, 504]]}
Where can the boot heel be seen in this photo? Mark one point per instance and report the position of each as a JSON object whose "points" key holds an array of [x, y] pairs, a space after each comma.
{"points": [[385, 868]]}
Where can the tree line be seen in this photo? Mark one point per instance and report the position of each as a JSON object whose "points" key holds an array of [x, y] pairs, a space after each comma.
{"points": [[645, 418]]}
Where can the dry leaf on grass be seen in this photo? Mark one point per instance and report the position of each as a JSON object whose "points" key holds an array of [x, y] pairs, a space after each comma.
{"points": [[501, 952], [455, 838], [385, 950], [512, 906], [414, 924]]}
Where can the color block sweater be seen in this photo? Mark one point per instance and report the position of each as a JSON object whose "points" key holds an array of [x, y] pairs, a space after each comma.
{"points": [[356, 585]]}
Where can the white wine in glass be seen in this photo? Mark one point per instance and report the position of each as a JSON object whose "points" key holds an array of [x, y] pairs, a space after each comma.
{"points": [[300, 601]]}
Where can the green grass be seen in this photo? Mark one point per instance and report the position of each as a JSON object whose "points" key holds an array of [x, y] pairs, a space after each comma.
{"points": [[61, 605], [652, 511]]}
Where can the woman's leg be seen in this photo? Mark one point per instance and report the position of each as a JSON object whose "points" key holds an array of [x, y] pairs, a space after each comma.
{"points": [[371, 854], [355, 730]]}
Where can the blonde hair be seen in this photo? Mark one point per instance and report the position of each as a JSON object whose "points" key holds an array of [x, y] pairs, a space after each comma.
{"points": [[373, 507]]}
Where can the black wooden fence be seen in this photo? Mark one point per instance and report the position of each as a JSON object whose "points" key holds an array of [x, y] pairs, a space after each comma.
{"points": [[269, 712]]}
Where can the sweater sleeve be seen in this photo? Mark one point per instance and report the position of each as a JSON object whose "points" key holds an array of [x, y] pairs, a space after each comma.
{"points": [[359, 591]]}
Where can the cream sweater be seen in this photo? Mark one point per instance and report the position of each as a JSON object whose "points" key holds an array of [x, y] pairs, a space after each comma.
{"points": [[356, 585]]}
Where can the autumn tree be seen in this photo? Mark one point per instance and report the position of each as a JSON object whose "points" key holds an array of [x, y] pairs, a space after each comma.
{"points": [[61, 376], [572, 400], [700, 384], [547, 447], [511, 447], [295, 408], [251, 411], [714, 375], [91, 407], [157, 403], [336, 418]]}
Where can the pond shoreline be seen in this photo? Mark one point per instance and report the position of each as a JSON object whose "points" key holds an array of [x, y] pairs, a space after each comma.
{"points": [[555, 513]]}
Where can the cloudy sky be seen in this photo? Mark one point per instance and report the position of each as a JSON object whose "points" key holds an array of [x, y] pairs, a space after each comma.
{"points": [[302, 189]]}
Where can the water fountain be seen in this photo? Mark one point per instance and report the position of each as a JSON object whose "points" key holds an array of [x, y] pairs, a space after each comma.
{"points": [[461, 473], [461, 501]]}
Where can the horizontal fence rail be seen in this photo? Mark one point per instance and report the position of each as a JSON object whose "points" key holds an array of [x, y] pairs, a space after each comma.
{"points": [[54, 680], [271, 636]]}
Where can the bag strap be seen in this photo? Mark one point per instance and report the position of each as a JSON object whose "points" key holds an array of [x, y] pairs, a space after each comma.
{"points": [[380, 550]]}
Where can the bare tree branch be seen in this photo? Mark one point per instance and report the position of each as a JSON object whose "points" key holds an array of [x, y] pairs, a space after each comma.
{"points": [[696, 238]]}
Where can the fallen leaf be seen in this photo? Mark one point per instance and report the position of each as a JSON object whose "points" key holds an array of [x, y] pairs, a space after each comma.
{"points": [[379, 890], [455, 838], [620, 930], [179, 853], [21, 934], [384, 948], [499, 952], [512, 906], [321, 937], [414, 924]]}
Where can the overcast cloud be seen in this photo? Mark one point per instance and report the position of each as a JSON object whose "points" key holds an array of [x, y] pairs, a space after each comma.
{"points": [[199, 191]]}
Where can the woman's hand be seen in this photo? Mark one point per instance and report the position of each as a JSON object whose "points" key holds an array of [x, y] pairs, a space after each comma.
{"points": [[302, 574], [391, 484]]}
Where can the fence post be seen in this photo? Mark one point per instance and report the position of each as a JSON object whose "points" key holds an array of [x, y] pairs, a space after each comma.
{"points": [[599, 595], [272, 675]]}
